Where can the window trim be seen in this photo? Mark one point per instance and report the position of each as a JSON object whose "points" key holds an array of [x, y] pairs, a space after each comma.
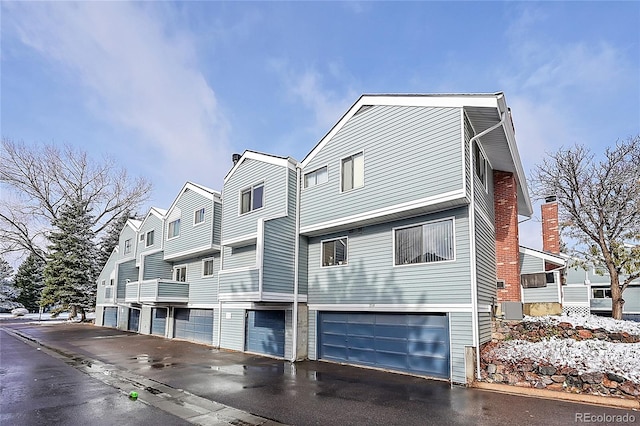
{"points": [[213, 273], [342, 191], [604, 291], [486, 163], [439, 262], [345, 263], [169, 237], [146, 238], [176, 267], [251, 188], [103, 283], [204, 218], [127, 246], [326, 166]]}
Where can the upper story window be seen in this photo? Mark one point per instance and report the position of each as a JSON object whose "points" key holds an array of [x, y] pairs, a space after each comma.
{"points": [[111, 281], [198, 216], [480, 164], [149, 238], [252, 198], [174, 229], [103, 282], [352, 172], [141, 237], [180, 273], [207, 268], [425, 243], [127, 246], [316, 177], [334, 252], [601, 293]]}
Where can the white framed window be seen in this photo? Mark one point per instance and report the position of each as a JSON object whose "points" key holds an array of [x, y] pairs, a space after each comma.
{"points": [[127, 246], [174, 229], [480, 165], [111, 282], [334, 252], [425, 243], [180, 273], [601, 293], [316, 177], [207, 267], [198, 216], [252, 198], [103, 282], [141, 237], [352, 172], [150, 237]]}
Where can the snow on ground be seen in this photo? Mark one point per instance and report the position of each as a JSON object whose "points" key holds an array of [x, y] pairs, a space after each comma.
{"points": [[63, 317], [590, 321], [586, 356]]}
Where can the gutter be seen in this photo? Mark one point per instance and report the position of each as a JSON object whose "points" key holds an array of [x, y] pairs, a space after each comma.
{"points": [[296, 258]]}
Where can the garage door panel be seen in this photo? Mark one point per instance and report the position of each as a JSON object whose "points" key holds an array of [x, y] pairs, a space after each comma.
{"points": [[406, 342], [266, 332], [193, 324], [110, 318]]}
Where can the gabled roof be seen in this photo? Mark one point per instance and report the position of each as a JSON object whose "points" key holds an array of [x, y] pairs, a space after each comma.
{"points": [[556, 259], [197, 188], [133, 224], [266, 158], [486, 112]]}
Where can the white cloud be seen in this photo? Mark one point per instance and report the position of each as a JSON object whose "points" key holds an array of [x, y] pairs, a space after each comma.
{"points": [[139, 73]]}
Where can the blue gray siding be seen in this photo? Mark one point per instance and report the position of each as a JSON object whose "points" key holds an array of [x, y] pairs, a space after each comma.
{"points": [[126, 271], [370, 277], [192, 237], [232, 329], [154, 223], [531, 264], [484, 324], [278, 259], [251, 172], [576, 294], [312, 347], [303, 265], [631, 297], [240, 281], [239, 257], [127, 234], [156, 267], [106, 275], [541, 294], [217, 223], [404, 148], [485, 261], [461, 327], [203, 290]]}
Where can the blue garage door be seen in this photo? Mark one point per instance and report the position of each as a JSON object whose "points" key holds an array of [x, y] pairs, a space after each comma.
{"points": [[194, 324], [404, 342], [110, 318], [265, 332], [158, 321], [134, 319]]}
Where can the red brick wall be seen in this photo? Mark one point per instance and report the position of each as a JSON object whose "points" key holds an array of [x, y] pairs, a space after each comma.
{"points": [[507, 241], [550, 230]]}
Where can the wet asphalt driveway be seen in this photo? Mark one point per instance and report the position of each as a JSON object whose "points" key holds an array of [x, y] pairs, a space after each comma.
{"points": [[304, 393]]}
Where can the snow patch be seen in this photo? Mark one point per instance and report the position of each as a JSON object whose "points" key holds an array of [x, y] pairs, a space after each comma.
{"points": [[590, 321]]}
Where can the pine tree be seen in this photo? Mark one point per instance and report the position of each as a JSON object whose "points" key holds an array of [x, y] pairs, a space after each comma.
{"points": [[71, 269], [8, 293], [30, 282], [111, 239]]}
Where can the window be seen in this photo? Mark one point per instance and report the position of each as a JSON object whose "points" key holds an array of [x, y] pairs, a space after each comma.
{"points": [[141, 237], [198, 216], [127, 246], [353, 172], [316, 177], [425, 243], [111, 282], [103, 282], [174, 229], [150, 238], [334, 252], [180, 273], [252, 198], [207, 268], [601, 293], [534, 280], [480, 164]]}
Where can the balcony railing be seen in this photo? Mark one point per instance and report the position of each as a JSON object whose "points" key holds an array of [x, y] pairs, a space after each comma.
{"points": [[157, 290]]}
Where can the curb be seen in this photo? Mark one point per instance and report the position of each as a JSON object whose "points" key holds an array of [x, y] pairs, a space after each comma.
{"points": [[605, 401]]}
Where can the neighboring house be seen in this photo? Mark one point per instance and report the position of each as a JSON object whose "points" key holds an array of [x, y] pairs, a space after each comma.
{"points": [[382, 248], [541, 276]]}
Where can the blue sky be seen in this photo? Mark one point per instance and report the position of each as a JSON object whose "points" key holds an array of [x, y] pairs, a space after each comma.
{"points": [[171, 90]]}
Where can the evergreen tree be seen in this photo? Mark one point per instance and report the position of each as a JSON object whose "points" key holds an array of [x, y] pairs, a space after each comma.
{"points": [[111, 239], [30, 282], [71, 269], [8, 293]]}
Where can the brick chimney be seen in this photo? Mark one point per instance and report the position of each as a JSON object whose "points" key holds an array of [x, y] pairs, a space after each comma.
{"points": [[550, 229], [507, 241]]}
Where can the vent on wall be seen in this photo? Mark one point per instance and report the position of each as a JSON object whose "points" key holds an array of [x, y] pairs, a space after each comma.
{"points": [[500, 284]]}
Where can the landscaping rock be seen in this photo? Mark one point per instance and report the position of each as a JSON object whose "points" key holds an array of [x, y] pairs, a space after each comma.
{"points": [[547, 370], [558, 378], [629, 388], [491, 368], [592, 377], [615, 377], [585, 334], [611, 384]]}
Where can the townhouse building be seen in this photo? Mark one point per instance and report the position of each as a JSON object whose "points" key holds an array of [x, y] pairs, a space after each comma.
{"points": [[382, 248]]}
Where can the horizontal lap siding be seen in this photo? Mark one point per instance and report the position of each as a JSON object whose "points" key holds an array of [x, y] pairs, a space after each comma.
{"points": [[203, 289], [484, 325], [105, 275], [239, 257], [156, 267], [126, 271], [370, 276], [461, 336], [632, 299], [303, 265], [232, 329], [191, 236], [313, 338], [485, 261], [278, 261], [172, 290], [217, 222], [577, 294], [541, 295], [242, 281], [152, 223], [127, 234], [424, 141], [530, 264], [251, 172]]}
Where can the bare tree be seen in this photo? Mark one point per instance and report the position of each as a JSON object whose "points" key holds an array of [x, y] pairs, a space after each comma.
{"points": [[37, 180], [599, 205]]}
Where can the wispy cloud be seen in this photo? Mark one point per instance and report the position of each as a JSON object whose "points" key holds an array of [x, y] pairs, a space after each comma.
{"points": [[139, 73]]}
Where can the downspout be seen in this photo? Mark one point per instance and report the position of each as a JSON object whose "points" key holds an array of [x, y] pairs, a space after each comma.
{"points": [[296, 257], [219, 270], [475, 326]]}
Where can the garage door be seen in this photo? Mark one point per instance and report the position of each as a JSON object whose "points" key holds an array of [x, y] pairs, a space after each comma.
{"points": [[265, 332], [110, 318], [194, 324], [158, 321], [404, 342], [134, 320]]}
